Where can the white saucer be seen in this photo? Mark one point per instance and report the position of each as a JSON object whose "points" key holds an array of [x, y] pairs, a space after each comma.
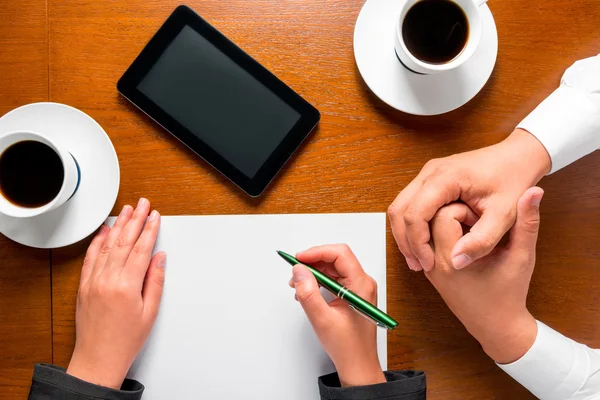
{"points": [[405, 90], [100, 176]]}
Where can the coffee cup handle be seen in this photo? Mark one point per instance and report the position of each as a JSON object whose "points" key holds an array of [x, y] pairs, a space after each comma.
{"points": [[479, 3]]}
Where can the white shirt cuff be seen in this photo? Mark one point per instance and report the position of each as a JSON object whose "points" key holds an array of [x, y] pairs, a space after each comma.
{"points": [[567, 123], [552, 369]]}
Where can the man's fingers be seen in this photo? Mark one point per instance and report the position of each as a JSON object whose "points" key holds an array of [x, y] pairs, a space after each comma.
{"points": [[524, 235], [139, 258], [154, 284], [339, 255], [446, 228], [435, 193], [129, 236], [308, 294], [484, 236], [395, 213], [92, 253]]}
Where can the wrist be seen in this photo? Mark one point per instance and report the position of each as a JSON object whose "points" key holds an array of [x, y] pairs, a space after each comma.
{"points": [[512, 341], [96, 373], [361, 374], [524, 150]]}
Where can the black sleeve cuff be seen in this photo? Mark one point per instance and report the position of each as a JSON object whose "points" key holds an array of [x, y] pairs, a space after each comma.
{"points": [[52, 382], [400, 385]]}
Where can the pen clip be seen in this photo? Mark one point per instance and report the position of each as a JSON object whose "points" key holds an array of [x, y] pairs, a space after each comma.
{"points": [[367, 317]]}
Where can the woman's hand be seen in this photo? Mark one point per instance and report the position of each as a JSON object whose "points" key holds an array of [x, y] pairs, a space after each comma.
{"points": [[348, 338], [119, 294]]}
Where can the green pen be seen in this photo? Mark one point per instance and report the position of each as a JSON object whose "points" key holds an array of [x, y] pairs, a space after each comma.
{"points": [[356, 302]]}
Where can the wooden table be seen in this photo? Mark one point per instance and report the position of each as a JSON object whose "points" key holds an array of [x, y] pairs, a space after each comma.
{"points": [[361, 156]]}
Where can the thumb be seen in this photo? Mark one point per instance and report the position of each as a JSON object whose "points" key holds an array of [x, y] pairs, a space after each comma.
{"points": [[153, 284], [525, 232], [483, 236], [309, 296]]}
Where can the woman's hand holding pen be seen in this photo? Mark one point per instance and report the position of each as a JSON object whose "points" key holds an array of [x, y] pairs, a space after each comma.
{"points": [[348, 338]]}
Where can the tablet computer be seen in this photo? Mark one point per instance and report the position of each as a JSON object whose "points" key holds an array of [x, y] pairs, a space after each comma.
{"points": [[218, 101]]}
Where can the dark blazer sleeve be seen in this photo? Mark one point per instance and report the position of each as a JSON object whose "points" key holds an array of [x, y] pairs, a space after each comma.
{"points": [[50, 383], [400, 385]]}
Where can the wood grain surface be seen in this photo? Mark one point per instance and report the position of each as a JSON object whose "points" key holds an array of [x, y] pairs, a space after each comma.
{"points": [[360, 157], [25, 280]]}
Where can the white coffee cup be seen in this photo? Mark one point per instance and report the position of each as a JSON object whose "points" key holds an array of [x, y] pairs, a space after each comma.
{"points": [[69, 184], [471, 8]]}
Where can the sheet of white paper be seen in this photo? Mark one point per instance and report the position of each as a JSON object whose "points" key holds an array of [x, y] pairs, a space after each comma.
{"points": [[228, 326]]}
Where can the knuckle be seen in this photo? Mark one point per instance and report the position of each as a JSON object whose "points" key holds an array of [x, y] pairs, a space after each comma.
{"points": [[504, 211], [105, 250], [159, 279], [140, 249], [160, 282], [510, 213], [371, 286], [82, 293], [446, 186], [87, 261], [410, 216], [531, 225], [432, 165], [122, 290], [393, 211], [484, 242], [98, 289], [109, 288], [305, 296], [345, 249], [123, 287], [122, 241]]}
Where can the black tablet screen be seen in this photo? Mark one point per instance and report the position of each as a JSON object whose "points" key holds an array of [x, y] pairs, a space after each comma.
{"points": [[218, 101]]}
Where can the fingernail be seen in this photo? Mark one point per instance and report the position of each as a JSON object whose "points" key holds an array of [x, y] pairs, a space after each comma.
{"points": [[536, 200], [125, 211], [162, 263], [461, 261], [103, 229], [412, 264], [153, 216], [300, 274], [141, 202]]}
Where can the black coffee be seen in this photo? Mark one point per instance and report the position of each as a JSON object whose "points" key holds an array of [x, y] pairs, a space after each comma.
{"points": [[31, 174], [435, 31]]}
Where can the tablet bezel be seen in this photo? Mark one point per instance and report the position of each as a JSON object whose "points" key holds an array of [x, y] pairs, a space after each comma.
{"points": [[184, 16]]}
